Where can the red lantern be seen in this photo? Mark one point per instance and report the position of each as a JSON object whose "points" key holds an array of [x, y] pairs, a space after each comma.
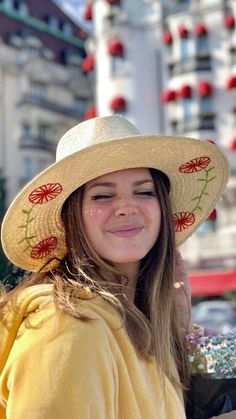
{"points": [[115, 48], [88, 12], [118, 103], [213, 215], [88, 64], [205, 88], [113, 2], [167, 38], [231, 83], [183, 32], [230, 21], [168, 96], [200, 29], [185, 91], [91, 112], [232, 145]]}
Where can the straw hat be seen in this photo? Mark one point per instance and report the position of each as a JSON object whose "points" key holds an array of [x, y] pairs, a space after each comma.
{"points": [[32, 230]]}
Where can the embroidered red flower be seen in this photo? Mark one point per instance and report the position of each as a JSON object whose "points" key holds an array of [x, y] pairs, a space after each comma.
{"points": [[45, 193], [43, 248], [195, 165], [183, 220]]}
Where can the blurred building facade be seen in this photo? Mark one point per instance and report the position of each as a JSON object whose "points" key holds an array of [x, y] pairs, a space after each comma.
{"points": [[170, 67], [43, 91]]}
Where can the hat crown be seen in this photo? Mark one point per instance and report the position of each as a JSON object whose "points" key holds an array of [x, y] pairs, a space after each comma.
{"points": [[93, 132]]}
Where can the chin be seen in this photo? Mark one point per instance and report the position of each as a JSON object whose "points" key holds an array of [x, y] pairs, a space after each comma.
{"points": [[127, 258]]}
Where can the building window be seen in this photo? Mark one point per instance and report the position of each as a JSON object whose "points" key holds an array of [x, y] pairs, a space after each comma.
{"points": [[184, 48], [67, 29], [206, 105], [53, 23], [38, 90], [187, 108], [80, 104], [26, 131], [42, 131], [21, 7], [202, 45], [8, 4], [28, 168], [117, 64], [42, 164]]}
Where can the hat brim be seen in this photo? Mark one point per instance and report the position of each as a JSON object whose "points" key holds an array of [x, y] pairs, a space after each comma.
{"points": [[32, 229]]}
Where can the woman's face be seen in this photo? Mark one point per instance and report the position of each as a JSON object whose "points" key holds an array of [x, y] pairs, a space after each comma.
{"points": [[121, 215]]}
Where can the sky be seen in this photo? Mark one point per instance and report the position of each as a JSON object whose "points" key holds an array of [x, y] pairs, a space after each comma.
{"points": [[75, 8]]}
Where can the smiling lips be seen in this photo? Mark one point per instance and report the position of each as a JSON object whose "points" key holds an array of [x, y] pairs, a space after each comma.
{"points": [[126, 231]]}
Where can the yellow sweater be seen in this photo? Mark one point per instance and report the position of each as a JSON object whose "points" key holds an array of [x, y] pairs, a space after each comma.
{"points": [[54, 366]]}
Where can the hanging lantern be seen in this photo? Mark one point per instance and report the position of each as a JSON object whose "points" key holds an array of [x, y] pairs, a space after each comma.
{"points": [[168, 95], [88, 12], [213, 215], [200, 29], [229, 21], [88, 64], [91, 112], [232, 145], [231, 83], [183, 32], [185, 91], [113, 2], [167, 38], [115, 48], [118, 103], [205, 88]]}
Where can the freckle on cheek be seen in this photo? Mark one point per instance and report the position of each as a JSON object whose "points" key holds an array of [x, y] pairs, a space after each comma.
{"points": [[91, 211]]}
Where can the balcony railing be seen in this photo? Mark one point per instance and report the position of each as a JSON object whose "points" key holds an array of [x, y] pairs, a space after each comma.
{"points": [[175, 7], [201, 62], [30, 99], [198, 122], [34, 23], [37, 143]]}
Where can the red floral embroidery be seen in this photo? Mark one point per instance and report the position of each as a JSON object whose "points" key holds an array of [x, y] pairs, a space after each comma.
{"points": [[45, 193], [43, 248], [183, 220], [195, 165]]}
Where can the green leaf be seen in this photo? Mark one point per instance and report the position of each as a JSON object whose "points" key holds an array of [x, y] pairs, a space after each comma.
{"points": [[31, 219], [21, 241], [212, 178]]}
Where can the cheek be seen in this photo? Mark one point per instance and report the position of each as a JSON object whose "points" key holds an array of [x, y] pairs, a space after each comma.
{"points": [[93, 217], [154, 216], [90, 212]]}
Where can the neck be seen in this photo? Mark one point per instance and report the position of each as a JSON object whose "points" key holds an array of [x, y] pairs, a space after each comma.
{"points": [[132, 272]]}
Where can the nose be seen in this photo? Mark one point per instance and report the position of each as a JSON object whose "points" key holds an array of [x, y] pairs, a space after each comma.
{"points": [[126, 208]]}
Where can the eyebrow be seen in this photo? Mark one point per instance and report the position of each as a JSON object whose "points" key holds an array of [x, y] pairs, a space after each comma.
{"points": [[112, 185]]}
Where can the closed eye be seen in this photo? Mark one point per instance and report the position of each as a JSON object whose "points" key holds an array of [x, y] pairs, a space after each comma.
{"points": [[146, 193], [100, 196]]}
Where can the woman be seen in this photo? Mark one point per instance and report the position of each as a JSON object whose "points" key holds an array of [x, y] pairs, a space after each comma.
{"points": [[97, 330]]}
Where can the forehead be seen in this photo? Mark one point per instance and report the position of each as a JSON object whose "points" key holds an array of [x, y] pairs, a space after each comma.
{"points": [[133, 175]]}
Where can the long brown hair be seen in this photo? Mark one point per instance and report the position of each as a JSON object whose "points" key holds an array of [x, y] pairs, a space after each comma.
{"points": [[152, 322]]}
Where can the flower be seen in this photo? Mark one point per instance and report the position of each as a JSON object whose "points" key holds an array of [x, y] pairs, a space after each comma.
{"points": [[216, 355], [183, 220], [195, 165], [43, 248], [45, 193]]}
